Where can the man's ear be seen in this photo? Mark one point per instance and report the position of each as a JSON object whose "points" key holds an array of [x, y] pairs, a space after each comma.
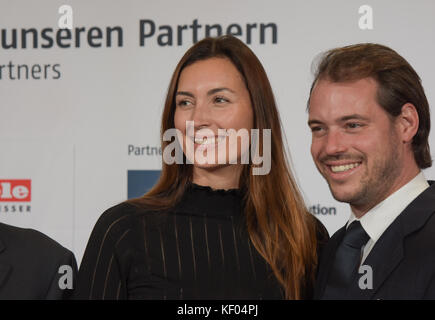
{"points": [[408, 122]]}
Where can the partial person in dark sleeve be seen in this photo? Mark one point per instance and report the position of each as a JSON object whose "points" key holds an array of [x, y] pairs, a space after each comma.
{"points": [[215, 229], [33, 266]]}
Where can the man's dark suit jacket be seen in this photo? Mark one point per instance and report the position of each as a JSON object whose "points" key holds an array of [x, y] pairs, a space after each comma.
{"points": [[402, 260], [29, 265]]}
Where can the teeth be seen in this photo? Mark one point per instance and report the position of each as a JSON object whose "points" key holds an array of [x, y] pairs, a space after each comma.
{"points": [[345, 167], [204, 140], [207, 140]]}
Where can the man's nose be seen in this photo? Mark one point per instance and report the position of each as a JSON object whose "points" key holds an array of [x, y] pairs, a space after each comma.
{"points": [[335, 142]]}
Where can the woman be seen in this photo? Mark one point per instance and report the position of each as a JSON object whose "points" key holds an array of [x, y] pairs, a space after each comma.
{"points": [[210, 229]]}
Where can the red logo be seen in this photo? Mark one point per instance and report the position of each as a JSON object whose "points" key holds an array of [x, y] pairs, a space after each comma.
{"points": [[15, 190]]}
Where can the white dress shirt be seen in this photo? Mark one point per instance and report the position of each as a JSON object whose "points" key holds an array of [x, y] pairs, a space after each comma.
{"points": [[379, 218]]}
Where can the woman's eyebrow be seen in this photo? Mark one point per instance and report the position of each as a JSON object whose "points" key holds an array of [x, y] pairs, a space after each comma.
{"points": [[209, 93], [213, 91], [184, 93]]}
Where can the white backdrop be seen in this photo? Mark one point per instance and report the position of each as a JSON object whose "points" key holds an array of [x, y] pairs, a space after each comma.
{"points": [[66, 125]]}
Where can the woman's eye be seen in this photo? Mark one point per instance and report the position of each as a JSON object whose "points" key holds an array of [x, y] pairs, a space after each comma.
{"points": [[353, 125], [183, 103], [220, 100]]}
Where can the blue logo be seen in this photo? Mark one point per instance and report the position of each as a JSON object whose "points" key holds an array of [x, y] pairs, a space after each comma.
{"points": [[140, 182]]}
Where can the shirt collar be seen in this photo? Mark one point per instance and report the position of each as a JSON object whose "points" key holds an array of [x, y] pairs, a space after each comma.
{"points": [[379, 218]]}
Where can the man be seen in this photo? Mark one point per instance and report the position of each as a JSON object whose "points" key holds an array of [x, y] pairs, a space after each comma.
{"points": [[33, 266], [370, 124]]}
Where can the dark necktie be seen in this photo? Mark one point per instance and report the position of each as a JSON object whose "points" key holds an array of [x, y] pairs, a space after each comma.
{"points": [[346, 263]]}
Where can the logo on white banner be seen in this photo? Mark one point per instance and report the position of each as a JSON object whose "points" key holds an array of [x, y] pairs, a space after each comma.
{"points": [[15, 195]]}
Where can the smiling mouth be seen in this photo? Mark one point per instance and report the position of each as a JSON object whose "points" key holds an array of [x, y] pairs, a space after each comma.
{"points": [[344, 167], [208, 140]]}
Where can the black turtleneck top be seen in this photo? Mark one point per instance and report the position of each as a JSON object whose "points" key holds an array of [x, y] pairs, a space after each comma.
{"points": [[198, 250]]}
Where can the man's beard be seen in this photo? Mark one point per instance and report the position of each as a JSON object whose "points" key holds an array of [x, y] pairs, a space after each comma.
{"points": [[374, 187]]}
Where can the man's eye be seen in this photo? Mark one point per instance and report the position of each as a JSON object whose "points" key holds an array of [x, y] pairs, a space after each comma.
{"points": [[316, 129]]}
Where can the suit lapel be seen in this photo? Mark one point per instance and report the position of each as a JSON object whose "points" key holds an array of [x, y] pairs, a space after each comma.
{"points": [[388, 251], [326, 262]]}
